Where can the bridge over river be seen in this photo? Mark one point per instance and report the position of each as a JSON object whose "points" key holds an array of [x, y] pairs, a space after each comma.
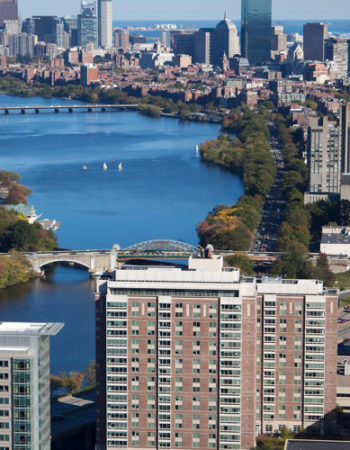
{"points": [[70, 108]]}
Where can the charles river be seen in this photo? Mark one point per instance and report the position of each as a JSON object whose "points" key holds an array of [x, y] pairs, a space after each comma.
{"points": [[162, 193]]}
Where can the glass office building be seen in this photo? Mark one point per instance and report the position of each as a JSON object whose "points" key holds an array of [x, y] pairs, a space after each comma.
{"points": [[256, 30]]}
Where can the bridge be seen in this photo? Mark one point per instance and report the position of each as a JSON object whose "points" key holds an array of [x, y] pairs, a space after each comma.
{"points": [[99, 261], [70, 108]]}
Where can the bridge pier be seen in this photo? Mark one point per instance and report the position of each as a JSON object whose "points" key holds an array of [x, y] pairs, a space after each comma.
{"points": [[37, 111], [57, 110], [70, 110], [23, 111], [103, 110], [89, 110], [7, 112]]}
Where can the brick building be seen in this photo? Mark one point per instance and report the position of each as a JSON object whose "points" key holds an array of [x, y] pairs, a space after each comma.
{"points": [[202, 358]]}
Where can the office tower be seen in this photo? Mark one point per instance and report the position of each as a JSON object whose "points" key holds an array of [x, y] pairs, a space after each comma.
{"points": [[45, 27], [105, 23], [315, 35], [58, 36], [8, 10], [71, 27], [165, 38], [28, 26], [256, 30], [121, 38], [88, 25], [226, 41], [204, 42], [11, 26], [199, 357], [183, 42], [25, 384], [278, 40], [337, 50]]}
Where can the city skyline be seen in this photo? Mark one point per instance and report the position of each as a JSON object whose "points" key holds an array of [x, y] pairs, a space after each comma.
{"points": [[139, 10]]}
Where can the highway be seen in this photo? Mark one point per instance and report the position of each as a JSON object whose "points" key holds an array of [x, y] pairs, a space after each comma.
{"points": [[266, 237]]}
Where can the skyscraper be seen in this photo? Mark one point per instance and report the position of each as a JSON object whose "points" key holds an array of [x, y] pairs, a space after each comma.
{"points": [[105, 23], [8, 10], [88, 25], [201, 358], [315, 35], [25, 385], [226, 41], [256, 30]]}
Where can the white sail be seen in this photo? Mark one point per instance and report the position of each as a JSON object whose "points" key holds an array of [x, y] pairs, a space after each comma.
{"points": [[197, 148], [84, 167], [120, 167], [105, 167]]}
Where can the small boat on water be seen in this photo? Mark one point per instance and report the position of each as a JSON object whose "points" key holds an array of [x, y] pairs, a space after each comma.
{"points": [[197, 148], [105, 167], [84, 167], [120, 167], [66, 98]]}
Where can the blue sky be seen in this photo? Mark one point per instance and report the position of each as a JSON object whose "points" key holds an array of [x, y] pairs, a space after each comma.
{"points": [[193, 9]]}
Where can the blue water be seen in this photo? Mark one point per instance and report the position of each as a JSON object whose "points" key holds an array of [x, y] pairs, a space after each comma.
{"points": [[163, 192], [290, 26]]}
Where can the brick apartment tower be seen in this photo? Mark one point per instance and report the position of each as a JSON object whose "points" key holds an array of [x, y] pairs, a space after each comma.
{"points": [[202, 358]]}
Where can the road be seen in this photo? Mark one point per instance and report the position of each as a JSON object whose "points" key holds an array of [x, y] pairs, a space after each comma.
{"points": [[266, 237], [76, 412]]}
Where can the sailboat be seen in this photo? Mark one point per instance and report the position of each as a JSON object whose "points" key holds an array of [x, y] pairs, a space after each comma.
{"points": [[105, 167], [197, 148], [120, 167], [84, 167]]}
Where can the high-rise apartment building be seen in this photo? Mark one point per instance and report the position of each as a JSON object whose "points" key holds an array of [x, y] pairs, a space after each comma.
{"points": [[25, 385], [8, 10], [256, 30], [328, 153], [88, 25], [315, 35], [105, 23], [199, 357], [204, 46], [165, 38]]}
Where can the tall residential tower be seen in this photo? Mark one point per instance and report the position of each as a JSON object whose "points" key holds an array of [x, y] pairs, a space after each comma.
{"points": [[201, 357], [105, 23], [256, 30]]}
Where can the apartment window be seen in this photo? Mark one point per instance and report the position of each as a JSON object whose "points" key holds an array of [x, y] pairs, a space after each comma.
{"points": [[4, 376], [4, 401], [268, 429], [4, 437], [195, 440], [196, 329], [212, 311], [196, 311], [4, 363], [4, 388]]}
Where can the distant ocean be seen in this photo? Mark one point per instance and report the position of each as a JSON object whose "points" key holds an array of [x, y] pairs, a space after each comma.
{"points": [[290, 26]]}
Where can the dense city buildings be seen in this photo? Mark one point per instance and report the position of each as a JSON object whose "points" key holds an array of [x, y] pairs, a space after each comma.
{"points": [[105, 19], [256, 30], [203, 358], [315, 35], [25, 385], [8, 10]]}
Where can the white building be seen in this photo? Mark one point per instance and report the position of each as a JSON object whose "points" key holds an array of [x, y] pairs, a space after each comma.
{"points": [[105, 23], [25, 385], [335, 241]]}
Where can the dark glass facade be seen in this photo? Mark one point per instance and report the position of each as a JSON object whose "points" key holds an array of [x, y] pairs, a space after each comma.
{"points": [[256, 30]]}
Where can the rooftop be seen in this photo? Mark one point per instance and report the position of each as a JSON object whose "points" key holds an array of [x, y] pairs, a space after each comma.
{"points": [[35, 329], [296, 444]]}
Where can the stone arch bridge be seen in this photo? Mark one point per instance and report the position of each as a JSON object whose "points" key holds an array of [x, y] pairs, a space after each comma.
{"points": [[99, 261]]}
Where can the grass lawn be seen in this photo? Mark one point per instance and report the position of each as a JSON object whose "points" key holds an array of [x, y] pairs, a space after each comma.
{"points": [[343, 281]]}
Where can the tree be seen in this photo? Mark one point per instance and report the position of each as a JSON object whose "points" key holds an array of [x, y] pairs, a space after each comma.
{"points": [[90, 374], [56, 383], [241, 262], [73, 382]]}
